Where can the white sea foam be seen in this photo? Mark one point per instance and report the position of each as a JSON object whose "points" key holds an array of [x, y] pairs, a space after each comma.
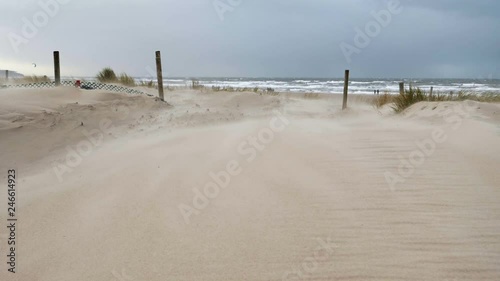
{"points": [[361, 86]]}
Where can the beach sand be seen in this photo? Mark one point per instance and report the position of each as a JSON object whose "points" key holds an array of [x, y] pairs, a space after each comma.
{"points": [[328, 195]]}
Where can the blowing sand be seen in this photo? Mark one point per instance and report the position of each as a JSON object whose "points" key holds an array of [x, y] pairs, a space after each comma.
{"points": [[313, 193]]}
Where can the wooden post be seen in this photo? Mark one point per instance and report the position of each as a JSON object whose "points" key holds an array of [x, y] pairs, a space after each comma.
{"points": [[402, 88], [346, 89], [57, 69], [6, 74], [159, 75]]}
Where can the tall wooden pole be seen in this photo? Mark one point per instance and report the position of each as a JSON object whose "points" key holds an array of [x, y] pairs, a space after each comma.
{"points": [[57, 69], [159, 74], [346, 89]]}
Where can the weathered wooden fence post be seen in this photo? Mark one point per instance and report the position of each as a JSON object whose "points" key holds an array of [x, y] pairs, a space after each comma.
{"points": [[159, 75], [346, 89], [57, 69], [402, 88], [6, 74]]}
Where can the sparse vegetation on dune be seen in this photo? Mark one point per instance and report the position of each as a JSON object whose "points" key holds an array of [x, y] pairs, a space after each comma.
{"points": [[484, 97], [311, 95], [244, 89], [126, 80], [34, 79], [383, 99], [107, 75], [409, 97], [147, 84], [195, 84], [415, 95]]}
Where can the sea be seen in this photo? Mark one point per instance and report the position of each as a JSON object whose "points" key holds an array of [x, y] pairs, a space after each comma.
{"points": [[335, 85], [329, 85]]}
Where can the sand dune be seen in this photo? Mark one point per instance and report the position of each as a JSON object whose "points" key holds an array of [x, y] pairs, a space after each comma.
{"points": [[241, 186]]}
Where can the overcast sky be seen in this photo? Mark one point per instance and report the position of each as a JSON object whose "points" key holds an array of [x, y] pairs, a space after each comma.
{"points": [[254, 38]]}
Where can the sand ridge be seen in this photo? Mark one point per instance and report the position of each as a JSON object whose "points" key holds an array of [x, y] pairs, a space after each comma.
{"points": [[313, 204]]}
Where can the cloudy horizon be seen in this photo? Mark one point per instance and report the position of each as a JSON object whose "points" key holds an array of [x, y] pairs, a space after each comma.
{"points": [[238, 38]]}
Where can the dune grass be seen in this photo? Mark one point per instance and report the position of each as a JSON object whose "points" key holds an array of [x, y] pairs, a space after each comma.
{"points": [[126, 80], [243, 89], [147, 84], [107, 75], [35, 79], [411, 96], [415, 95], [195, 84], [383, 99], [311, 95]]}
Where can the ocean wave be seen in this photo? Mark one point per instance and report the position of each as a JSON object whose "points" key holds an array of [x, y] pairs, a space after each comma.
{"points": [[361, 86]]}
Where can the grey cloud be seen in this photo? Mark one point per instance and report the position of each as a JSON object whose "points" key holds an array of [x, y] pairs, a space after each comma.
{"points": [[278, 38]]}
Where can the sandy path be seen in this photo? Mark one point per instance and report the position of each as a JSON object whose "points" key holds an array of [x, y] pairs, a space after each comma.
{"points": [[116, 216]]}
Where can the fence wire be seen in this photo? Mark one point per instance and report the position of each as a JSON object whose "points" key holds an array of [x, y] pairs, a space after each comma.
{"points": [[84, 85]]}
